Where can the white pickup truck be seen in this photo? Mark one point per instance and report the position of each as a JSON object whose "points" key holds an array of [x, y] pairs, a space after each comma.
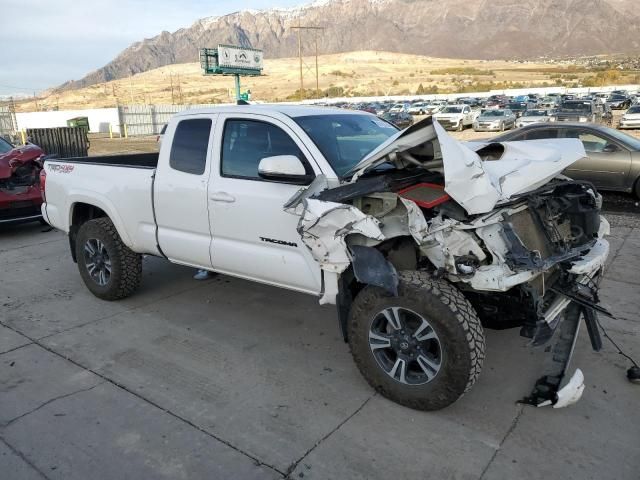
{"points": [[417, 238], [456, 117]]}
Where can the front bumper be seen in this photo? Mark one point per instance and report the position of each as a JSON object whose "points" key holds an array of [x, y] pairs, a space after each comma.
{"points": [[629, 124], [486, 128]]}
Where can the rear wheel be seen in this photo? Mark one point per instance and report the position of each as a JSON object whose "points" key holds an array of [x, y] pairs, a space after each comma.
{"points": [[109, 269], [424, 348]]}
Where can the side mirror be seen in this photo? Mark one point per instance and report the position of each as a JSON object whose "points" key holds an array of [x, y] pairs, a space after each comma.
{"points": [[610, 148], [284, 168]]}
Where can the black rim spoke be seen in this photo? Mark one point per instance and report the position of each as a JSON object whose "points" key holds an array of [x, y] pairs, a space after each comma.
{"points": [[97, 261], [405, 345]]}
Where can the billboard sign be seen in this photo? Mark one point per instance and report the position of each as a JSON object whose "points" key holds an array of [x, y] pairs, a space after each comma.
{"points": [[234, 57]]}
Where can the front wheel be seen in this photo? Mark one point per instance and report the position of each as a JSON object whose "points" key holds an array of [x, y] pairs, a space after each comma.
{"points": [[109, 269], [422, 349], [461, 126], [502, 126]]}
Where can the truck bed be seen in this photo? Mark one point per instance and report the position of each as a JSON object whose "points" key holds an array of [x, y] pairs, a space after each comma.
{"points": [[133, 160]]}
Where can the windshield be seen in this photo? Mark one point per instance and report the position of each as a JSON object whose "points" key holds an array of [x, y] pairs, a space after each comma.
{"points": [[451, 110], [5, 146], [493, 113], [517, 106], [577, 106], [617, 97], [535, 113], [628, 140], [635, 109], [344, 140]]}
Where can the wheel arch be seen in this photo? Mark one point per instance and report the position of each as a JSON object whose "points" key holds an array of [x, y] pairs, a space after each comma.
{"points": [[81, 211]]}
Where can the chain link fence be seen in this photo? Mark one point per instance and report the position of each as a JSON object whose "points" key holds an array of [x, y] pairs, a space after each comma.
{"points": [[8, 124], [136, 120]]}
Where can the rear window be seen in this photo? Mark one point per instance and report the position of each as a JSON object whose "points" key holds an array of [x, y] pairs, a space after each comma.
{"points": [[190, 145]]}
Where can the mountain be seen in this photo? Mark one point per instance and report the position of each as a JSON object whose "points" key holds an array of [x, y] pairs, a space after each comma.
{"points": [[480, 29]]}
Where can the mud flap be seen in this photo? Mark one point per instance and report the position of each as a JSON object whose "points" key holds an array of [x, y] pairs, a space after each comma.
{"points": [[547, 389]]}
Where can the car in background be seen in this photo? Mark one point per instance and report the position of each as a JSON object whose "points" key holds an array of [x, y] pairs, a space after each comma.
{"points": [[618, 101], [582, 111], [518, 108], [20, 197], [613, 157], [494, 120], [534, 116], [401, 120], [497, 101], [600, 97], [456, 117], [631, 118], [418, 108], [435, 106], [549, 102], [398, 108]]}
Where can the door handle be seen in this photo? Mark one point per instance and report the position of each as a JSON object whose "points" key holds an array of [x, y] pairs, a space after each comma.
{"points": [[222, 197]]}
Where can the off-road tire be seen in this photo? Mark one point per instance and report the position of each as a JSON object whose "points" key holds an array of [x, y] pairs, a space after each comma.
{"points": [[126, 265], [455, 322]]}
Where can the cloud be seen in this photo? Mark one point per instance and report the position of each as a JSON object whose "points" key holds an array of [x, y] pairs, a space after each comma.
{"points": [[44, 43]]}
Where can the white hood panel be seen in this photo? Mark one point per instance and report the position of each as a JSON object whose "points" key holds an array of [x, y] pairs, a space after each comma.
{"points": [[475, 184]]}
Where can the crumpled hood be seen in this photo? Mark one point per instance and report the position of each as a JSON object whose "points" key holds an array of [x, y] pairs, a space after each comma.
{"points": [[477, 184], [16, 157]]}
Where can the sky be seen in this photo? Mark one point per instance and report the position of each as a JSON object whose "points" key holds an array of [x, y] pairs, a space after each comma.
{"points": [[44, 43]]}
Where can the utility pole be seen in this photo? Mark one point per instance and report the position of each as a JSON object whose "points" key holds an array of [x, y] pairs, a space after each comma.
{"points": [[299, 28]]}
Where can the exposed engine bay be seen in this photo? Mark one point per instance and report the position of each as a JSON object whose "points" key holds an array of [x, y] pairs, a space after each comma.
{"points": [[497, 220]]}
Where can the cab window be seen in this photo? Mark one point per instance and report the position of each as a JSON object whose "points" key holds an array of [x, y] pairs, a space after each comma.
{"points": [[246, 142], [190, 145]]}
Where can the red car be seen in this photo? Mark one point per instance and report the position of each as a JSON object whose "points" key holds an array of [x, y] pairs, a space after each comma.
{"points": [[20, 196]]}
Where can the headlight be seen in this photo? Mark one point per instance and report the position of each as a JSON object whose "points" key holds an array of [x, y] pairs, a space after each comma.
{"points": [[583, 119], [552, 119]]}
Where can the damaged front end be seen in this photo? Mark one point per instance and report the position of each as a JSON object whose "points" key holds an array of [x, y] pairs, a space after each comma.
{"points": [[520, 241], [20, 196]]}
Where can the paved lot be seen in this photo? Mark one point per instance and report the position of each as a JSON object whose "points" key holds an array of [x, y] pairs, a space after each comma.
{"points": [[229, 379]]}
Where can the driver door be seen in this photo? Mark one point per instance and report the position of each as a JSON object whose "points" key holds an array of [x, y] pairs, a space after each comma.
{"points": [[253, 237]]}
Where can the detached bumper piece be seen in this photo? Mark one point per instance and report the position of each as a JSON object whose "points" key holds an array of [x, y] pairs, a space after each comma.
{"points": [[547, 389]]}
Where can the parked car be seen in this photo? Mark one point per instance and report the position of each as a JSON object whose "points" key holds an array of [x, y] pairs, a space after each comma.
{"points": [[631, 118], [20, 197], [399, 108], [497, 101], [617, 101], [340, 205], [613, 157], [534, 116], [495, 121], [518, 108], [435, 106], [582, 111], [399, 119], [456, 117], [418, 108], [549, 102]]}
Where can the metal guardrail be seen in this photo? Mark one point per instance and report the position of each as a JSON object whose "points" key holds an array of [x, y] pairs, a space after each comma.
{"points": [[64, 142]]}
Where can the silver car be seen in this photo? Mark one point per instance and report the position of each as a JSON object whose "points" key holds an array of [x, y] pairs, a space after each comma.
{"points": [[497, 120], [534, 116]]}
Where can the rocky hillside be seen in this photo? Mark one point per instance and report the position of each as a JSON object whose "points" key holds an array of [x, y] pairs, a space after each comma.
{"points": [[484, 29]]}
